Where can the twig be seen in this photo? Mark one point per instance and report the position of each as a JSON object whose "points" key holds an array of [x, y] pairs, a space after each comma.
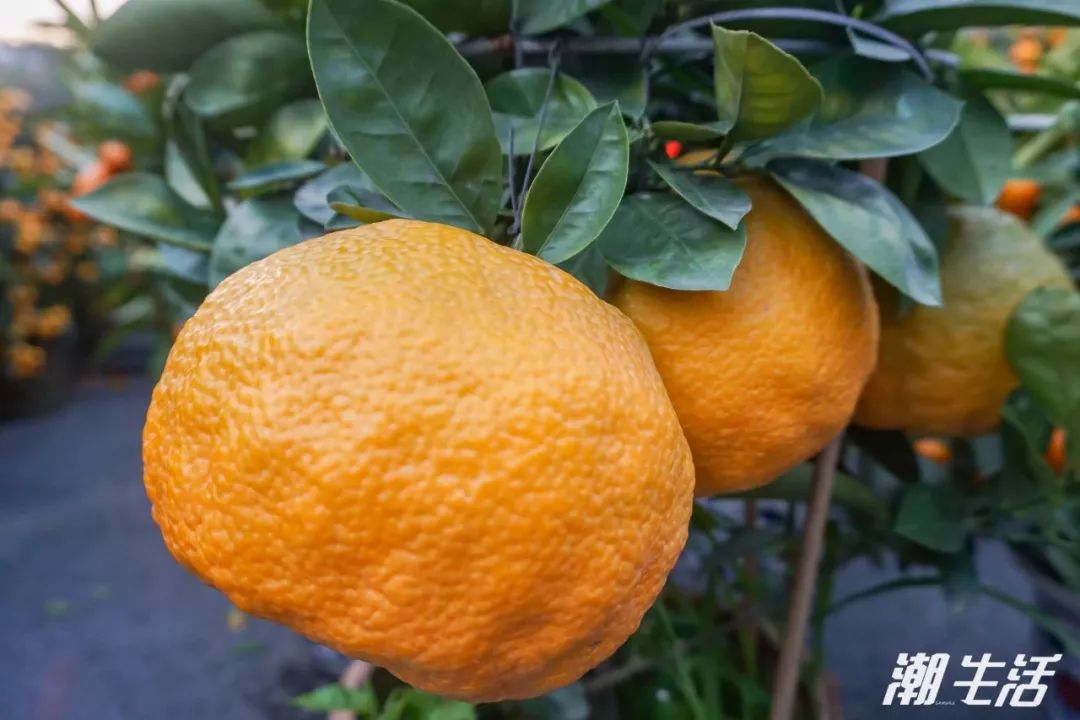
{"points": [[690, 45], [608, 680], [786, 685], [554, 59]]}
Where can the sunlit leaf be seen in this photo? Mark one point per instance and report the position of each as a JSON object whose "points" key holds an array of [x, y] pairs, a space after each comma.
{"points": [[292, 133]]}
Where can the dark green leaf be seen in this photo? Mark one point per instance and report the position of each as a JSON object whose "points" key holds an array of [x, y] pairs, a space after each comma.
{"points": [[975, 160], [578, 188], [611, 79], [994, 79], [566, 703], [409, 109], [1063, 631], [143, 204], [1024, 433], [932, 516], [659, 239], [868, 220], [1042, 341], [517, 100], [291, 134], [889, 448], [690, 132], [871, 110], [1053, 209], [189, 137], [241, 80], [914, 17], [708, 191], [362, 204], [590, 268], [167, 35], [110, 112], [275, 175], [311, 198], [540, 16], [472, 17], [180, 178], [760, 89], [631, 17], [335, 697], [254, 229]]}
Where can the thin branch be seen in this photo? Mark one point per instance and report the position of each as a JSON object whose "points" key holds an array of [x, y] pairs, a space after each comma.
{"points": [[554, 59], [689, 45], [822, 16], [786, 685]]}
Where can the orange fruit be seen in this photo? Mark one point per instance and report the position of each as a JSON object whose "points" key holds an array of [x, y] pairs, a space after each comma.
{"points": [[763, 374], [1019, 197], [115, 156], [92, 176], [426, 450], [1026, 51], [25, 360], [933, 449], [942, 370], [1056, 451], [141, 81], [1072, 216], [1056, 36]]}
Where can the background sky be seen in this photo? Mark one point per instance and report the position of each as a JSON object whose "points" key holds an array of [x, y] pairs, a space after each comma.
{"points": [[17, 17]]}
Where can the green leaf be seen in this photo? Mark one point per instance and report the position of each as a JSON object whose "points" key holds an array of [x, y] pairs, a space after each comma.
{"points": [[915, 17], [1049, 215], [361, 701], [540, 16], [292, 133], [994, 79], [109, 111], [567, 703], [143, 204], [708, 191], [932, 516], [517, 100], [472, 17], [975, 160], [578, 188], [167, 35], [1026, 475], [1063, 631], [868, 220], [275, 175], [254, 229], [1042, 342], [760, 89], [189, 136], [871, 110], [410, 111], [180, 178], [689, 132], [362, 204], [311, 199], [406, 703], [241, 80], [660, 239], [590, 267], [631, 17]]}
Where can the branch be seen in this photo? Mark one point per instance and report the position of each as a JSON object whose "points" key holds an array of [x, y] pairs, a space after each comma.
{"points": [[785, 688], [692, 45]]}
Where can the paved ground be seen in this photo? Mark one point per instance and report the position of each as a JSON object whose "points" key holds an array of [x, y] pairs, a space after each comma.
{"points": [[98, 623]]}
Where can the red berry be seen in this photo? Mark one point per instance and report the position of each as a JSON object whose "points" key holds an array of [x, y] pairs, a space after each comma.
{"points": [[673, 149]]}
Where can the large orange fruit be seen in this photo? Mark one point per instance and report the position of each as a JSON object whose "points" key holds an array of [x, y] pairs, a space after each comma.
{"points": [[943, 371], [426, 450], [764, 374]]}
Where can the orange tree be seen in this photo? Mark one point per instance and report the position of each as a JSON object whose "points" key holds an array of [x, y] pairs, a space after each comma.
{"points": [[792, 204]]}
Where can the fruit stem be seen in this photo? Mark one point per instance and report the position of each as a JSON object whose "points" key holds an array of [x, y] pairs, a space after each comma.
{"points": [[785, 688]]}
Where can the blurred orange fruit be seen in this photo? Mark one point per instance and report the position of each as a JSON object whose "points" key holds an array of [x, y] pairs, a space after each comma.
{"points": [[115, 156], [141, 81], [1057, 36], [1019, 197], [933, 449], [1026, 52], [1056, 451], [26, 360], [52, 321]]}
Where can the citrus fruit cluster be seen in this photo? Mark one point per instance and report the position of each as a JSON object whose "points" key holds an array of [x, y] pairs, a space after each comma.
{"points": [[455, 461]]}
